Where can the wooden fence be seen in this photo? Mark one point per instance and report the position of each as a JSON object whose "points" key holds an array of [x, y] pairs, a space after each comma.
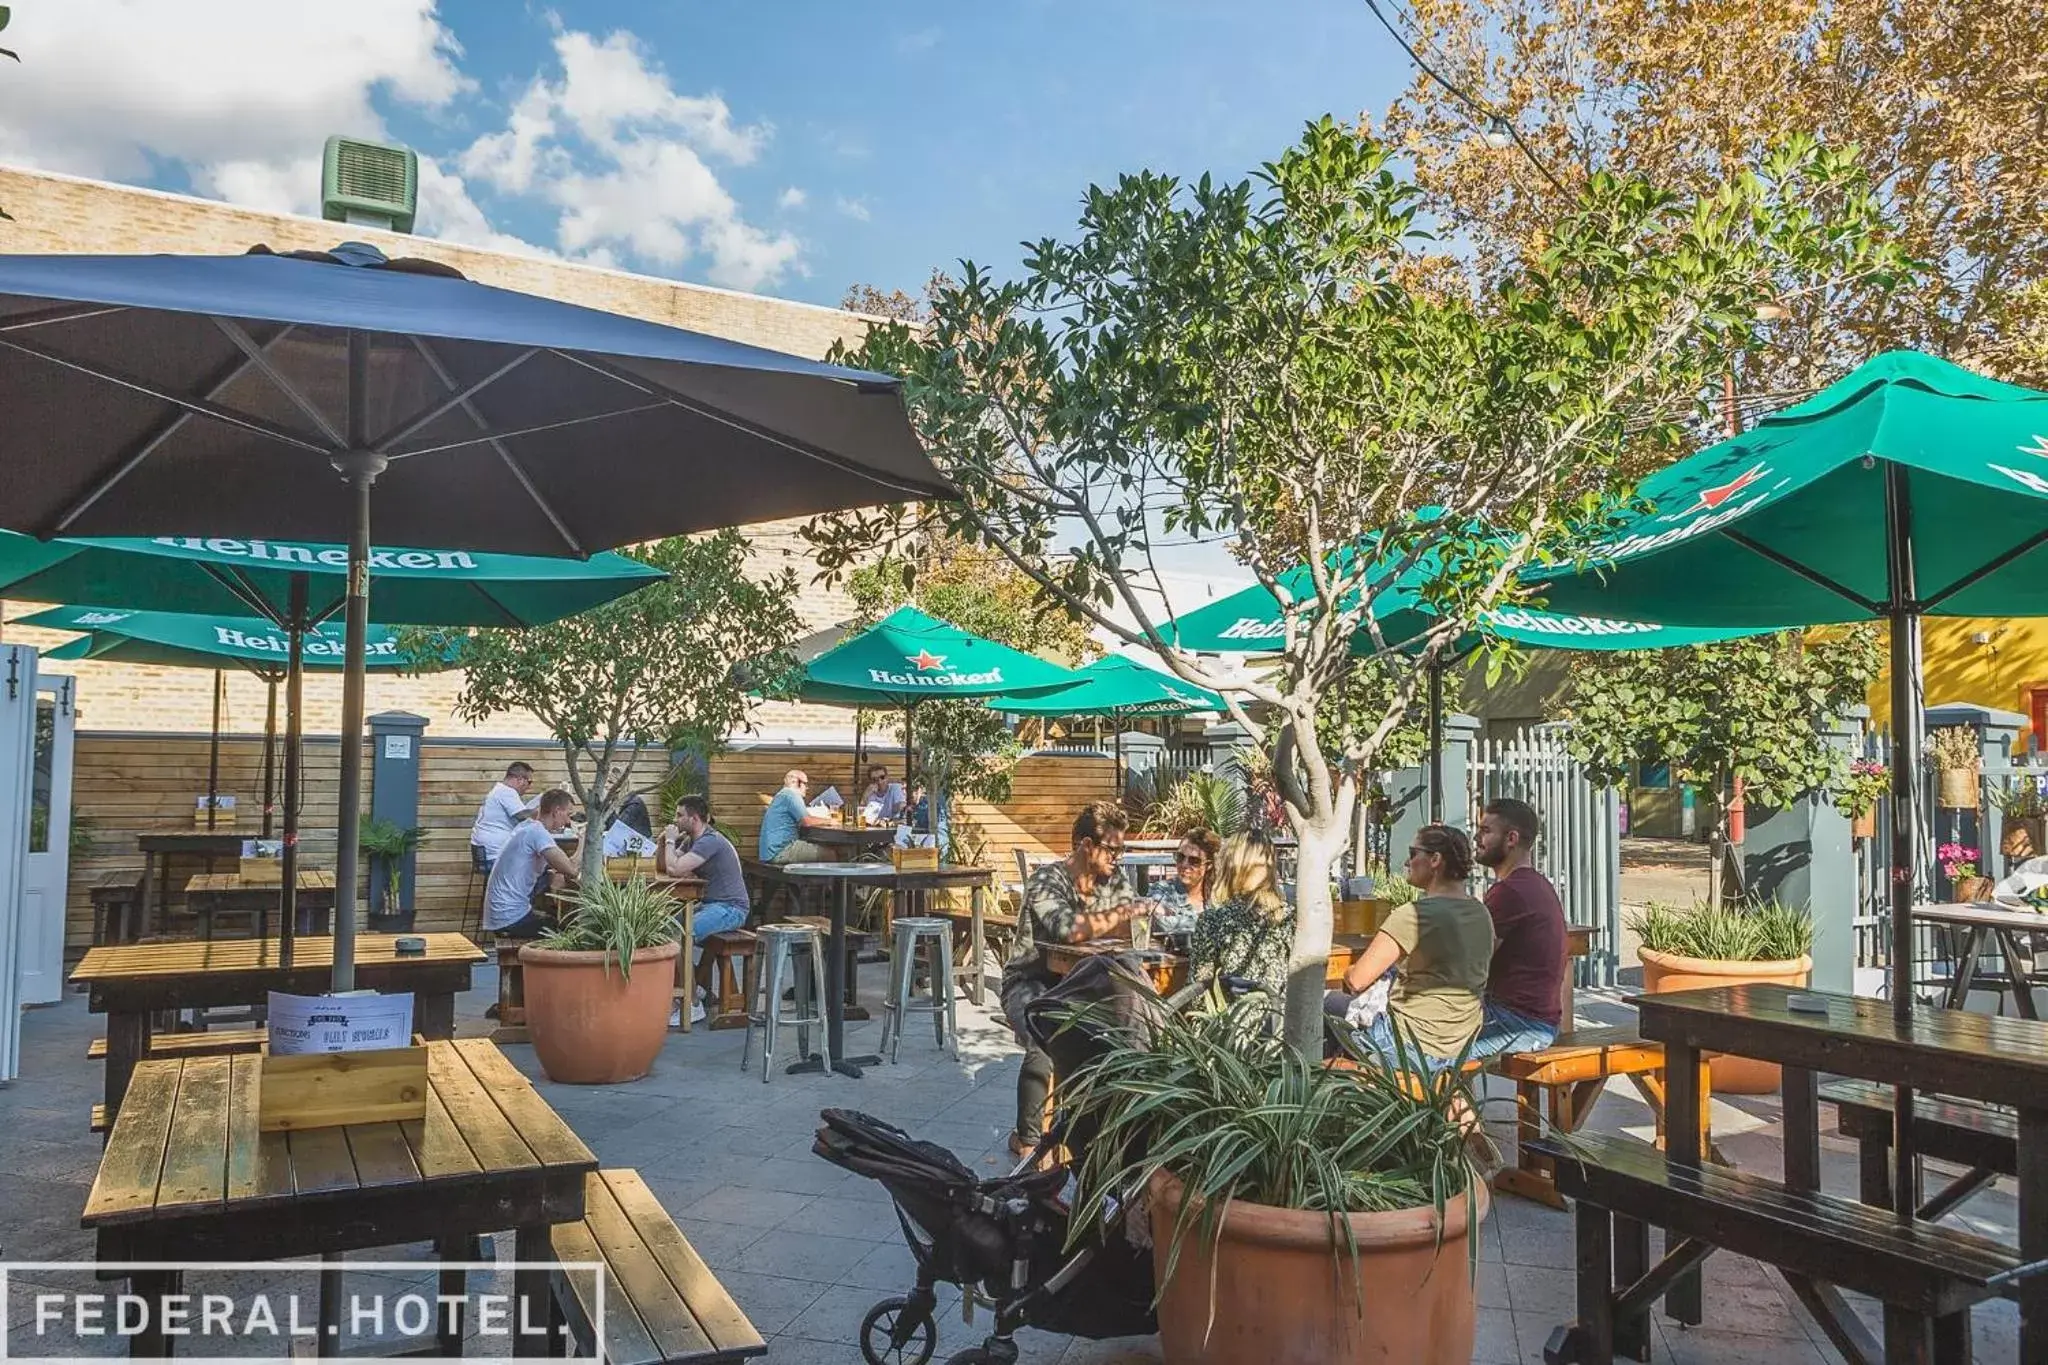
{"points": [[124, 783]]}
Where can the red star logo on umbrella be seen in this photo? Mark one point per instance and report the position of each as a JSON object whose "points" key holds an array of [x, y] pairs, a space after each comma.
{"points": [[924, 661], [1711, 498]]}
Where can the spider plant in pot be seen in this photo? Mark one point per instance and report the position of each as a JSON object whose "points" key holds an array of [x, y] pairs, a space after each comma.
{"points": [[387, 843], [600, 986], [1705, 944], [1297, 1211]]}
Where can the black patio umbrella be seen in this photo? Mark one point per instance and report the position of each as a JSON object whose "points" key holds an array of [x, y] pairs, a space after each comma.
{"points": [[264, 395]]}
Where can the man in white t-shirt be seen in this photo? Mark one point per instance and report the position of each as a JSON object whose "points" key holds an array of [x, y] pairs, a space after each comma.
{"points": [[525, 859], [501, 812]]}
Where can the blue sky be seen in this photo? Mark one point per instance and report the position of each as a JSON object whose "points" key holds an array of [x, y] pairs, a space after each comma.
{"points": [[793, 148]]}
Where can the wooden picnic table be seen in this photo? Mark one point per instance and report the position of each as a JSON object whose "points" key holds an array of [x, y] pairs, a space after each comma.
{"points": [[211, 894], [160, 846], [187, 1177], [687, 892], [1988, 927], [1940, 1051], [853, 843], [912, 886], [130, 982]]}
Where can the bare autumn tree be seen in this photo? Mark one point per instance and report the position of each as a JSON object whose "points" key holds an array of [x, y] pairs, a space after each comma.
{"points": [[1945, 100]]}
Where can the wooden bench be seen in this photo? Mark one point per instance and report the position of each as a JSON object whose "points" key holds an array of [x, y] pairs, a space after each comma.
{"points": [[767, 884], [1927, 1276], [117, 908], [729, 986], [1979, 1136], [511, 992], [212, 1043], [661, 1303], [1556, 1088]]}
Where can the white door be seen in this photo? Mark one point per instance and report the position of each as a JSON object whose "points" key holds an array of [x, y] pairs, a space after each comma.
{"points": [[46, 878], [17, 751]]}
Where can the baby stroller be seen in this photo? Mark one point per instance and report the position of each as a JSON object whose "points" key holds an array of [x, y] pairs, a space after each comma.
{"points": [[1006, 1239]]}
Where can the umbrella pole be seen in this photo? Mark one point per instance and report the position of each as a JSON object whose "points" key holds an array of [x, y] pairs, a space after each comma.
{"points": [[294, 762], [1436, 742], [213, 754], [910, 756], [269, 757], [1907, 721], [361, 467], [859, 718]]}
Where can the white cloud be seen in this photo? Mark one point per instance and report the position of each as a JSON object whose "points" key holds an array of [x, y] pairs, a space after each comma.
{"points": [[856, 209], [917, 43], [241, 92], [791, 198], [624, 159], [447, 211]]}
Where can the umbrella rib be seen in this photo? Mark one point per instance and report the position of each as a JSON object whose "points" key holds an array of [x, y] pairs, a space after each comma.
{"points": [[504, 453], [149, 447], [1812, 576], [238, 585], [719, 415], [1984, 571], [70, 312], [458, 398], [246, 344], [490, 437]]}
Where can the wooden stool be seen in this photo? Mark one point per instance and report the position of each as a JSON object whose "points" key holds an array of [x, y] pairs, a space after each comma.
{"points": [[857, 943], [116, 909], [728, 969], [511, 992]]}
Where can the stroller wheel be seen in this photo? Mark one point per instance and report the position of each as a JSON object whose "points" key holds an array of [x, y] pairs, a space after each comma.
{"points": [[898, 1332]]}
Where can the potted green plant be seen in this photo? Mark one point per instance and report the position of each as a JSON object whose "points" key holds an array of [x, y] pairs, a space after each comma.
{"points": [[2023, 820], [1705, 944], [599, 987], [386, 842], [1953, 751], [1858, 793], [1199, 801], [1298, 1212]]}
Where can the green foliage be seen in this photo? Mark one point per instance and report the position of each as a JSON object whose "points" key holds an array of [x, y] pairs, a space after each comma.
{"points": [[1290, 363], [617, 919], [659, 667], [390, 841], [1200, 801], [1750, 708], [2021, 801], [1862, 787], [1392, 887], [1237, 1115], [1768, 932]]}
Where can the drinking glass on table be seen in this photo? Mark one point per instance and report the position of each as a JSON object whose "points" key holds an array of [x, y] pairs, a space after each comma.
{"points": [[1141, 927]]}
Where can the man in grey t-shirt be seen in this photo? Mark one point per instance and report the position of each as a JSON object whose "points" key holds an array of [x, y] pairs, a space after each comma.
{"points": [[711, 856]]}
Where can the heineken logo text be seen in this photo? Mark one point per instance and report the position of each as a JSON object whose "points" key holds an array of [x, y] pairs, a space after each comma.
{"points": [[324, 556], [951, 678], [317, 646]]}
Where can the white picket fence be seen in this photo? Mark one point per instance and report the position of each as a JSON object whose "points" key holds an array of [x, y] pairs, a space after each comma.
{"points": [[1579, 849]]}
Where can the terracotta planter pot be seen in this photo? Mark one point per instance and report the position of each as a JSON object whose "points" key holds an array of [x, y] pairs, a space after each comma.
{"points": [[2023, 836], [1667, 972], [593, 1026], [1957, 788], [1974, 888], [1284, 1291], [1864, 826]]}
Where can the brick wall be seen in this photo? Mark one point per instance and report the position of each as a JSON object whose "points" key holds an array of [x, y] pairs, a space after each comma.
{"points": [[63, 214], [125, 783]]}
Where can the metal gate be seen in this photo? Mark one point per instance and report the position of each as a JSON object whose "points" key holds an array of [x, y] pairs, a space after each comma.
{"points": [[1579, 848]]}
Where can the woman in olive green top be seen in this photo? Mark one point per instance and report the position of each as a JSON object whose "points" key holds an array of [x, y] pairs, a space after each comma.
{"points": [[1441, 947]]}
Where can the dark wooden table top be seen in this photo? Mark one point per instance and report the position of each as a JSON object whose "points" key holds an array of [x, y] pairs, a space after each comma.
{"points": [[186, 1145], [231, 883], [1946, 1052], [195, 972], [850, 836], [885, 874], [223, 842], [1985, 914], [1168, 970]]}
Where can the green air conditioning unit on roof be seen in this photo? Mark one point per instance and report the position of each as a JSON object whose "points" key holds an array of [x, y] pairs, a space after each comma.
{"points": [[372, 183]]}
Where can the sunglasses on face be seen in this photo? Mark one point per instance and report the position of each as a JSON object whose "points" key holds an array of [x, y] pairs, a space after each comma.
{"points": [[1115, 850], [1195, 858]]}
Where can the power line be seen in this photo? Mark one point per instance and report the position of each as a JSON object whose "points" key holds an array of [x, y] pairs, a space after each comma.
{"points": [[1487, 118]]}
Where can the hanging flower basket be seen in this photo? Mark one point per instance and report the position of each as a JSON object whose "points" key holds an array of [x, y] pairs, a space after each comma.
{"points": [[1958, 788], [1864, 826]]}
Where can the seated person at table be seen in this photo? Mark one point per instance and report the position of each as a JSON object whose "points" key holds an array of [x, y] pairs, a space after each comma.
{"points": [[525, 861], [1082, 896], [693, 846], [503, 808], [1248, 930], [1182, 899], [883, 801], [785, 820], [1440, 948], [631, 831], [1525, 985]]}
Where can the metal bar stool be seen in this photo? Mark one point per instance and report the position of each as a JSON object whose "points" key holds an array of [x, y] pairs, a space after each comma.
{"points": [[784, 950], [910, 931]]}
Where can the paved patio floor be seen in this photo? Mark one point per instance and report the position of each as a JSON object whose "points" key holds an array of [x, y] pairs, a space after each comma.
{"points": [[806, 1248]]}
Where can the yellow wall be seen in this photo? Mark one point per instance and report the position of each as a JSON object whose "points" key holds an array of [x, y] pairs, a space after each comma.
{"points": [[1998, 673]]}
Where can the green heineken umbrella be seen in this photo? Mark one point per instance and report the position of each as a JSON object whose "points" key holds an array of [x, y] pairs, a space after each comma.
{"points": [[1119, 688], [1911, 486], [301, 584], [909, 657]]}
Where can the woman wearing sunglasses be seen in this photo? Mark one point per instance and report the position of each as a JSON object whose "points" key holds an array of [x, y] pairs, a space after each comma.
{"points": [[1182, 899]]}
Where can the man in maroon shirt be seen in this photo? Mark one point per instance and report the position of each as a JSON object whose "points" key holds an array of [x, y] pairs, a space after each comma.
{"points": [[1526, 982]]}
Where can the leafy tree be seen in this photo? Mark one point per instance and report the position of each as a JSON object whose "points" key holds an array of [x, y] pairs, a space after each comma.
{"points": [[656, 668], [1284, 362], [1942, 101], [963, 745], [1746, 711]]}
